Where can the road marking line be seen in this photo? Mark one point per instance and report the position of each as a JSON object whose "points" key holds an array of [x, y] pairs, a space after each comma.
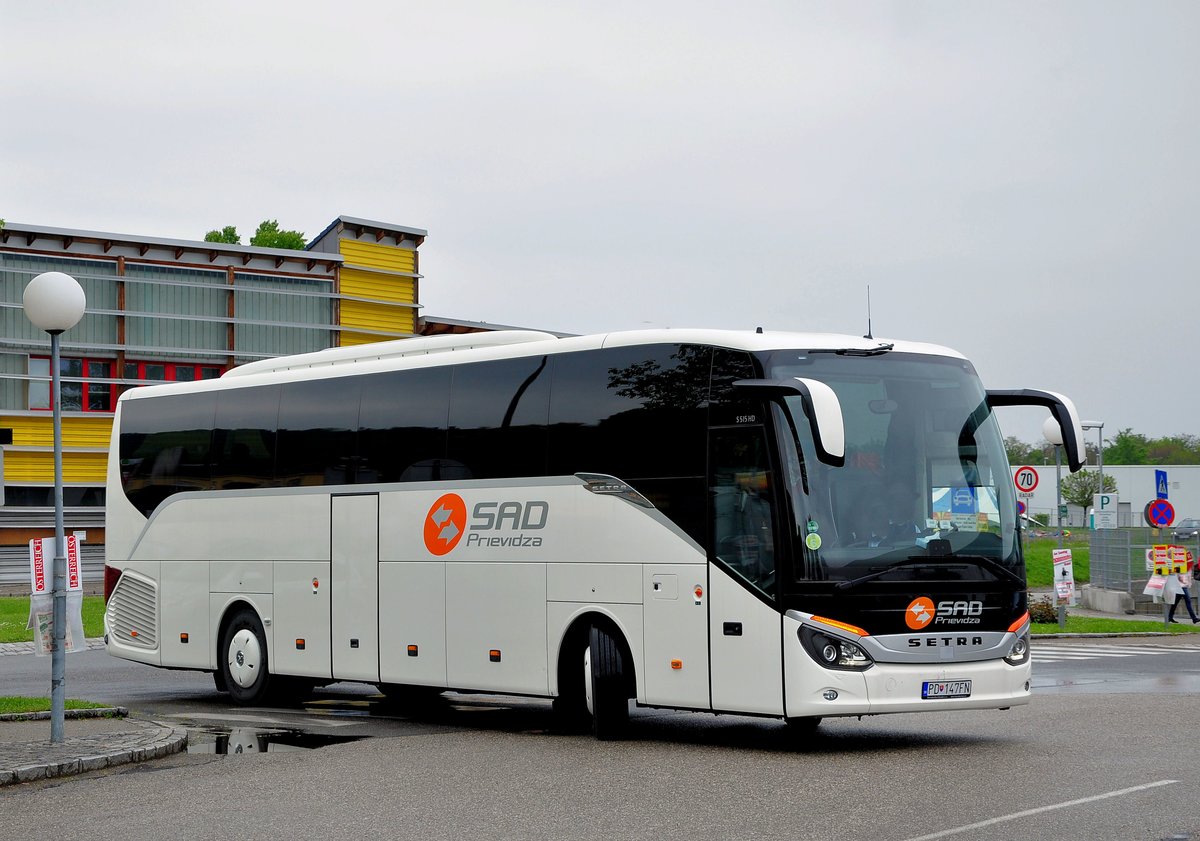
{"points": [[1040, 809]]}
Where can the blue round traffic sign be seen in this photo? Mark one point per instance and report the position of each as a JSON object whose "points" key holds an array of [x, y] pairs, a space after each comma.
{"points": [[1160, 513]]}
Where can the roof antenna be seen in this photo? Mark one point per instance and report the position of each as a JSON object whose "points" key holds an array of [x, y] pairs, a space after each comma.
{"points": [[868, 336]]}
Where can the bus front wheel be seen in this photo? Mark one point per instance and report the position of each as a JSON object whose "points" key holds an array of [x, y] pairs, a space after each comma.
{"points": [[244, 658], [605, 685]]}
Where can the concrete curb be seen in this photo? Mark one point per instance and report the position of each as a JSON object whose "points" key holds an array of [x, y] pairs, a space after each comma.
{"points": [[23, 762], [1068, 635]]}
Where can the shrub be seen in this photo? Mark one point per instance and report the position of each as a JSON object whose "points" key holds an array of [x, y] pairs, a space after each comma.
{"points": [[1043, 611]]}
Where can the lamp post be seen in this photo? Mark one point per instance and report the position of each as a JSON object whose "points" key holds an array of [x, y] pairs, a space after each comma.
{"points": [[1052, 432], [1099, 426], [55, 302]]}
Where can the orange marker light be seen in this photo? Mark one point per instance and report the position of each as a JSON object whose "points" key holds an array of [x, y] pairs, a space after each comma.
{"points": [[494, 655], [676, 664], [299, 645], [699, 591], [854, 629], [1016, 626], [412, 651], [183, 638], [133, 633]]}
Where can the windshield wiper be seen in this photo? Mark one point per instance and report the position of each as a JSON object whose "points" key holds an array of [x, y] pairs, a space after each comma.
{"points": [[934, 560], [882, 347]]}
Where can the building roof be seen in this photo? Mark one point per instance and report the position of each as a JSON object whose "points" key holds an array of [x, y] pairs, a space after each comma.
{"points": [[360, 226], [84, 242]]}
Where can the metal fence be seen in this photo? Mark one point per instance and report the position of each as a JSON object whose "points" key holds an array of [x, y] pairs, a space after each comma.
{"points": [[1118, 557], [14, 567]]}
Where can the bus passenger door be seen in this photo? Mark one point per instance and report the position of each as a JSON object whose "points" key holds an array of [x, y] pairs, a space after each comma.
{"points": [[745, 627], [354, 556]]}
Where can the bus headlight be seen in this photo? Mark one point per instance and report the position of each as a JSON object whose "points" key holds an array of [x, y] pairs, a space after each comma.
{"points": [[1019, 652], [834, 653]]}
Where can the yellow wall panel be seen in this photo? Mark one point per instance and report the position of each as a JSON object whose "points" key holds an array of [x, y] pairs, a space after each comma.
{"points": [[381, 287], [350, 339], [376, 256], [21, 467], [38, 431], [378, 317]]}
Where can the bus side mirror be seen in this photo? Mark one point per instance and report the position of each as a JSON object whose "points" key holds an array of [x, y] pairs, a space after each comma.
{"points": [[821, 406], [1062, 410]]}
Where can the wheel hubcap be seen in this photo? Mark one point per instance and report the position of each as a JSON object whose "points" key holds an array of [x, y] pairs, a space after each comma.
{"points": [[245, 658]]}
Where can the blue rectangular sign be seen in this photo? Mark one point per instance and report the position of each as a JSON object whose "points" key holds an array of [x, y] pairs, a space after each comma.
{"points": [[1160, 483]]}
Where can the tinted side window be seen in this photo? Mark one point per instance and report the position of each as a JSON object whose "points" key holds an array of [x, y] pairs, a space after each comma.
{"points": [[639, 414], [498, 416], [244, 437], [402, 427], [635, 412], [730, 407], [318, 432], [164, 447]]}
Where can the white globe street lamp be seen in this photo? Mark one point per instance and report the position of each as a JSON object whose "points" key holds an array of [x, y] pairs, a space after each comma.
{"points": [[55, 302]]}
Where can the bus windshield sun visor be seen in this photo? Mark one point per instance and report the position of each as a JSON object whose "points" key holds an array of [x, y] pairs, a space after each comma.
{"points": [[822, 407], [1060, 407]]}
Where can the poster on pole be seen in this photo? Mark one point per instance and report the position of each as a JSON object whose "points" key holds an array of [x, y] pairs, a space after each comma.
{"points": [[1064, 575], [41, 601]]}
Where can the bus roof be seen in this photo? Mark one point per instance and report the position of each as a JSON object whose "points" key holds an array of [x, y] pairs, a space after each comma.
{"points": [[505, 344]]}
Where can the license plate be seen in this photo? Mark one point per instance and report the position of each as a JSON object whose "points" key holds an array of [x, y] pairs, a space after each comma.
{"points": [[946, 689]]}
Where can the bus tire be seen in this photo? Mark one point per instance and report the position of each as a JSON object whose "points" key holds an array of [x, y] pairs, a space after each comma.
{"points": [[244, 658], [607, 687]]}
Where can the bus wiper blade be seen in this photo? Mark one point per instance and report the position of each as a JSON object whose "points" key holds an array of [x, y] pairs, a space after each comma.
{"points": [[911, 561], [935, 560], [991, 565], [882, 347]]}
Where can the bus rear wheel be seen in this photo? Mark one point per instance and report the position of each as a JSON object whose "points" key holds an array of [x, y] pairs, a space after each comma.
{"points": [[606, 686], [244, 658]]}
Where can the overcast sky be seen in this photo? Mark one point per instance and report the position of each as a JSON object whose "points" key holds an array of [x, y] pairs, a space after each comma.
{"points": [[1015, 180]]}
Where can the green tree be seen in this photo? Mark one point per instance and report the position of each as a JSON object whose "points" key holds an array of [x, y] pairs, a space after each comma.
{"points": [[227, 234], [1079, 488], [1175, 449], [268, 235], [1128, 448], [1020, 453]]}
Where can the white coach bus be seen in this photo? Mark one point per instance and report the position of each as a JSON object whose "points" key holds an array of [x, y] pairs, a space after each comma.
{"points": [[774, 524]]}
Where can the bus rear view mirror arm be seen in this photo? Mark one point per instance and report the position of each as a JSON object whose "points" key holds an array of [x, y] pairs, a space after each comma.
{"points": [[821, 406], [1060, 407]]}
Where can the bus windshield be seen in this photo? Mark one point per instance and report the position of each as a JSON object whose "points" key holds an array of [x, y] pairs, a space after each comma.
{"points": [[925, 475]]}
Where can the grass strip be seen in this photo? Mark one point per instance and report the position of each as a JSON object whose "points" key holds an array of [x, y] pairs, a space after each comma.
{"points": [[14, 616], [20, 704], [1100, 625]]}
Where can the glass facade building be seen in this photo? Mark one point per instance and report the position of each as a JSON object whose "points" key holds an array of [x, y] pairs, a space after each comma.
{"points": [[161, 310]]}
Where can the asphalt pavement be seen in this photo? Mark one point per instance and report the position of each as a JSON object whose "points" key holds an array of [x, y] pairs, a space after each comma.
{"points": [[95, 739]]}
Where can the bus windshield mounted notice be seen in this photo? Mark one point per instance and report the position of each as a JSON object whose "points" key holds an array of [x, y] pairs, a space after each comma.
{"points": [[775, 524]]}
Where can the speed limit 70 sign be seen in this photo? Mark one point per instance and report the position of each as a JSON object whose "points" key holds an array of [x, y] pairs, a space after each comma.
{"points": [[1026, 479]]}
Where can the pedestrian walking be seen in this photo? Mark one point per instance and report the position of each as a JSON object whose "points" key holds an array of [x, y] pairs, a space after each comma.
{"points": [[1178, 586]]}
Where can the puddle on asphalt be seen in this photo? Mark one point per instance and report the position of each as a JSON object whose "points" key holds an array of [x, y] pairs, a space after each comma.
{"points": [[243, 740]]}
